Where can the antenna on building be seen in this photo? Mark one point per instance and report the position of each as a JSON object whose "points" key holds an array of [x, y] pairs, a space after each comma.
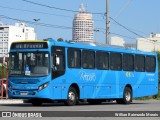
{"points": [[1, 21], [86, 7], [82, 8]]}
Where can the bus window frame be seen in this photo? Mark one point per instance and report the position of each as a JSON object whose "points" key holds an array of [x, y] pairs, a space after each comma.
{"points": [[150, 63], [86, 65], [111, 63], [68, 58], [58, 50], [137, 69], [98, 52], [133, 62]]}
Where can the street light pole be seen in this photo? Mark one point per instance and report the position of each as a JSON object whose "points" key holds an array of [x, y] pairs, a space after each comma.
{"points": [[36, 21]]}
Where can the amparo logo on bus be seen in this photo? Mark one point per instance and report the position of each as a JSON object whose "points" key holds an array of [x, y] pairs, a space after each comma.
{"points": [[87, 76]]}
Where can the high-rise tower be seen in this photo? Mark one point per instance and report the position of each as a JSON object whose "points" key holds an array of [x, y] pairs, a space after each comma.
{"points": [[83, 26]]}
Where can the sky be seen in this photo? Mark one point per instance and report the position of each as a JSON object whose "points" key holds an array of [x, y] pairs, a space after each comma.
{"points": [[129, 19]]}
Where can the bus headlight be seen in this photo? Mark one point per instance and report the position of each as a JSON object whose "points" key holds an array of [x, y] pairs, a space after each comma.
{"points": [[43, 86]]}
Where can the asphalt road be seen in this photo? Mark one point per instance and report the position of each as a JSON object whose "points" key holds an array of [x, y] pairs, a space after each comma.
{"points": [[102, 111]]}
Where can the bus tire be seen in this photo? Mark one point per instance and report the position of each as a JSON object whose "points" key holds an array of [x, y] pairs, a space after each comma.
{"points": [[127, 96], [72, 97]]}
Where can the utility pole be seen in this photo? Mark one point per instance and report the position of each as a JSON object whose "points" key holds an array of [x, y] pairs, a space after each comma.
{"points": [[107, 22]]}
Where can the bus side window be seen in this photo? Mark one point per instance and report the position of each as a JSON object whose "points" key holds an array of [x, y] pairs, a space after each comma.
{"points": [[102, 60], [88, 59], [115, 61], [128, 62], [74, 58], [150, 63], [139, 63]]}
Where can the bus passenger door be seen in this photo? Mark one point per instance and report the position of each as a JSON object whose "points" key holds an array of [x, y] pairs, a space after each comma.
{"points": [[58, 66]]}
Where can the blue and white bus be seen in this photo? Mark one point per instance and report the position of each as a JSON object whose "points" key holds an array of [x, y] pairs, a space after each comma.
{"points": [[48, 70]]}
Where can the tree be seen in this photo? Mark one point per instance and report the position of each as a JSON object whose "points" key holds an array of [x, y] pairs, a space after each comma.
{"points": [[2, 71], [158, 53], [60, 39]]}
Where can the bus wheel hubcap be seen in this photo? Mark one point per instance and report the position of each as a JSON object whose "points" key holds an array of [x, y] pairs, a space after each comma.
{"points": [[128, 96], [71, 96]]}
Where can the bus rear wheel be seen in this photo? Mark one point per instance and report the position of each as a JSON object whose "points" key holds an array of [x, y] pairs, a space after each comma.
{"points": [[127, 97], [72, 97]]}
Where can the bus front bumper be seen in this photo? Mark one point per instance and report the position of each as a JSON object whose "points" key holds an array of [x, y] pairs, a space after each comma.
{"points": [[27, 94]]}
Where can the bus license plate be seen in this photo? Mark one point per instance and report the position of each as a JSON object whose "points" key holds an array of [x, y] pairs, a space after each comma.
{"points": [[24, 93]]}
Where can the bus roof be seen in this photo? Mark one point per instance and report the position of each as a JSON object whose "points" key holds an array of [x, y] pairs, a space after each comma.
{"points": [[99, 46], [88, 45], [21, 41]]}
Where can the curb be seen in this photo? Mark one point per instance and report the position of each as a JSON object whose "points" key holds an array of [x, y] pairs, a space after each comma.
{"points": [[11, 101]]}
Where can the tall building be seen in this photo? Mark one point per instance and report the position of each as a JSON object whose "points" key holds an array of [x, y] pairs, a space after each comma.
{"points": [[83, 26], [10, 33]]}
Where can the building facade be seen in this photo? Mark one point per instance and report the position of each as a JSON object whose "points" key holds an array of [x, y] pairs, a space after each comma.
{"points": [[117, 41], [132, 45], [10, 33], [149, 44], [83, 30]]}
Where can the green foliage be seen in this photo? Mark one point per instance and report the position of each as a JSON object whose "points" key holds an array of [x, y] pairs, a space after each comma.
{"points": [[60, 39], [158, 53], [158, 96], [2, 71]]}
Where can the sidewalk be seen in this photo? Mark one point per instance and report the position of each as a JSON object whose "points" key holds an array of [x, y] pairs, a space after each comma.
{"points": [[11, 101]]}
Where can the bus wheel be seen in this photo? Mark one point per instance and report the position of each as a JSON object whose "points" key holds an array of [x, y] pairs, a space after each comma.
{"points": [[36, 102], [127, 96], [72, 97]]}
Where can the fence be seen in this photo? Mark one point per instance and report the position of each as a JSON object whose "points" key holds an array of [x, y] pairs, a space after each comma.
{"points": [[3, 78]]}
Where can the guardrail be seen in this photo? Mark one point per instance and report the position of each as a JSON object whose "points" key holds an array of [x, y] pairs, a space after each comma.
{"points": [[3, 79], [3, 88]]}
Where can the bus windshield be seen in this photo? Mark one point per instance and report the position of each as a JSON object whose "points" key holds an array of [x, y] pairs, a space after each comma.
{"points": [[29, 64]]}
